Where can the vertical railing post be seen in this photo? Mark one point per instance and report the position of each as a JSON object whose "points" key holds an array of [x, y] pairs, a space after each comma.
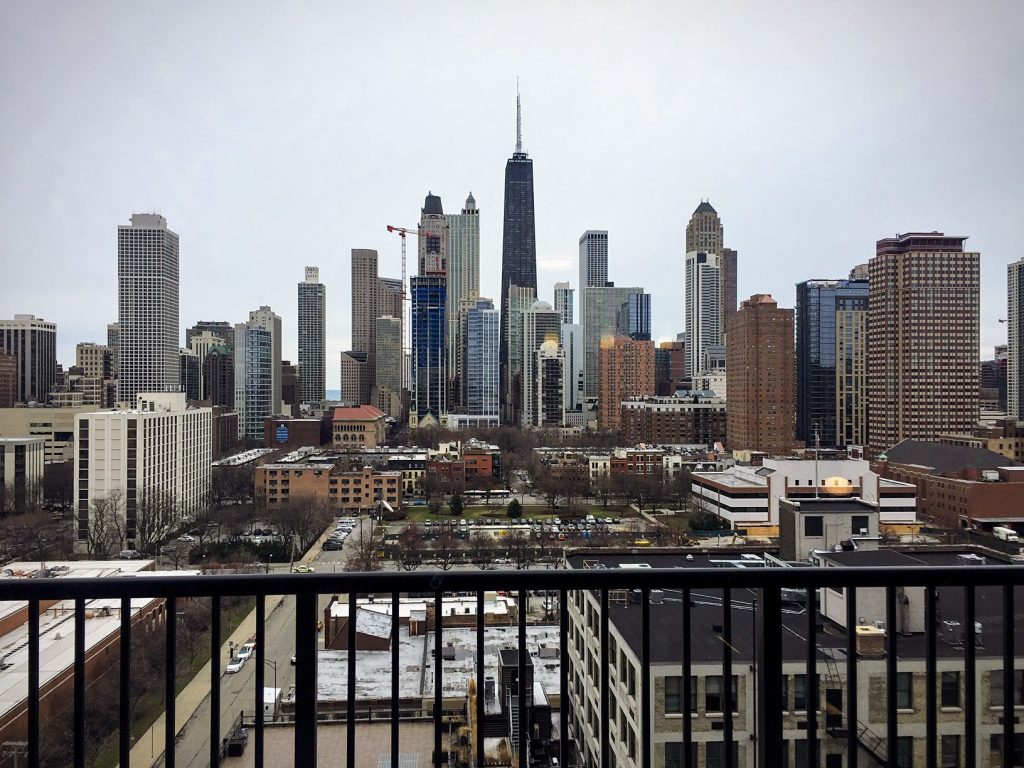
{"points": [[563, 676], [970, 698], [727, 698], [811, 695], [305, 678], [170, 682], [605, 727], [395, 678], [478, 713], [215, 630], [931, 682], [78, 755], [33, 683], [852, 721], [687, 688], [645, 680], [768, 636], [260, 685], [1008, 676], [438, 673], [350, 708], [892, 678], [525, 692], [124, 735]]}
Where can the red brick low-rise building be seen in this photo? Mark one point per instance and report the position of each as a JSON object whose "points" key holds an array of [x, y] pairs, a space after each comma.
{"points": [[958, 486], [691, 420], [297, 433], [352, 491]]}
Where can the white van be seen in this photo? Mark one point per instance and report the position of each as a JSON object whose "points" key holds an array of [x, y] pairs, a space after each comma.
{"points": [[1005, 534]]}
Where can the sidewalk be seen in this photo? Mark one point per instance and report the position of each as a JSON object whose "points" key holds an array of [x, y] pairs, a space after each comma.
{"points": [[149, 747]]}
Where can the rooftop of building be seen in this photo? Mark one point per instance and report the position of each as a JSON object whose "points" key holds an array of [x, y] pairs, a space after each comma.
{"points": [[56, 623], [704, 207], [358, 413], [706, 608], [943, 458], [416, 679], [843, 505], [245, 457]]}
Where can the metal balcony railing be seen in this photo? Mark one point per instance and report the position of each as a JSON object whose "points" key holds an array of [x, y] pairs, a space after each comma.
{"points": [[769, 584]]}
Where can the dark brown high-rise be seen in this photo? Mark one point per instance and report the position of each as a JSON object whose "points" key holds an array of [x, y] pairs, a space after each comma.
{"points": [[760, 361], [923, 339]]}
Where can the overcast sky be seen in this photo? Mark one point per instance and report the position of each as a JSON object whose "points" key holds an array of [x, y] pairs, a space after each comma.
{"points": [[278, 135]]}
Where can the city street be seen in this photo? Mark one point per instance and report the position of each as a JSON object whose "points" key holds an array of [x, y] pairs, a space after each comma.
{"points": [[238, 690]]}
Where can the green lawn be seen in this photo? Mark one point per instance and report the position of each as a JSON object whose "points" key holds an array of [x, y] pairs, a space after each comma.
{"points": [[419, 514]]}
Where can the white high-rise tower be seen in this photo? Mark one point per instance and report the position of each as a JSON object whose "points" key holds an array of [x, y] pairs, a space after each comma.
{"points": [[312, 338], [703, 309], [147, 296]]}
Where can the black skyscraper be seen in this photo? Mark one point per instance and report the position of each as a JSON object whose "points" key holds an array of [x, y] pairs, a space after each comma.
{"points": [[519, 242]]}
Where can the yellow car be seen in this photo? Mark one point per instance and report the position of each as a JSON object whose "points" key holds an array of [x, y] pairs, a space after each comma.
{"points": [[302, 569], [642, 543]]}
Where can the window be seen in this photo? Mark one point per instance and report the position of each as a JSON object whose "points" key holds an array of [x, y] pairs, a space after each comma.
{"points": [[951, 689], [713, 693], [995, 745], [904, 752], [785, 693], [950, 755], [674, 695], [814, 526], [800, 753], [995, 690], [904, 691], [674, 754], [800, 692], [716, 755], [859, 523]]}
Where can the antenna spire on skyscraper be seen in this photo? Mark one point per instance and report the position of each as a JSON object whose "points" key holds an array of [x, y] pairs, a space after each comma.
{"points": [[519, 122]]}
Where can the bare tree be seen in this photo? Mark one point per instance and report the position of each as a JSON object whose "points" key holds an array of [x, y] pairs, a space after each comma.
{"points": [[445, 548], [363, 556], [155, 512], [410, 546], [678, 488], [519, 548], [603, 488], [575, 483], [106, 526], [304, 518], [177, 553], [483, 551]]}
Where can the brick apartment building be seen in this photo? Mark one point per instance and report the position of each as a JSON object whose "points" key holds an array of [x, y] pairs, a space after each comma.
{"points": [[626, 370], [690, 420], [350, 491], [761, 359]]}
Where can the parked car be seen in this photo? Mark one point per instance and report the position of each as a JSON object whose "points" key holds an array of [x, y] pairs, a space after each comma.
{"points": [[246, 651], [302, 569], [187, 537], [235, 665], [332, 545]]}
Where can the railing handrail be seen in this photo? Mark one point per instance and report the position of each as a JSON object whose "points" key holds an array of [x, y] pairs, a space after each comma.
{"points": [[20, 588]]}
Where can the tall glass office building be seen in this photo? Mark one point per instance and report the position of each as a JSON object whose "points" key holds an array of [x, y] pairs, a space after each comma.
{"points": [[254, 351], [830, 355], [483, 329], [429, 379]]}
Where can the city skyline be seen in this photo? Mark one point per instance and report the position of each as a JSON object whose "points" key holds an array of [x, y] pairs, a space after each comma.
{"points": [[826, 166]]}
